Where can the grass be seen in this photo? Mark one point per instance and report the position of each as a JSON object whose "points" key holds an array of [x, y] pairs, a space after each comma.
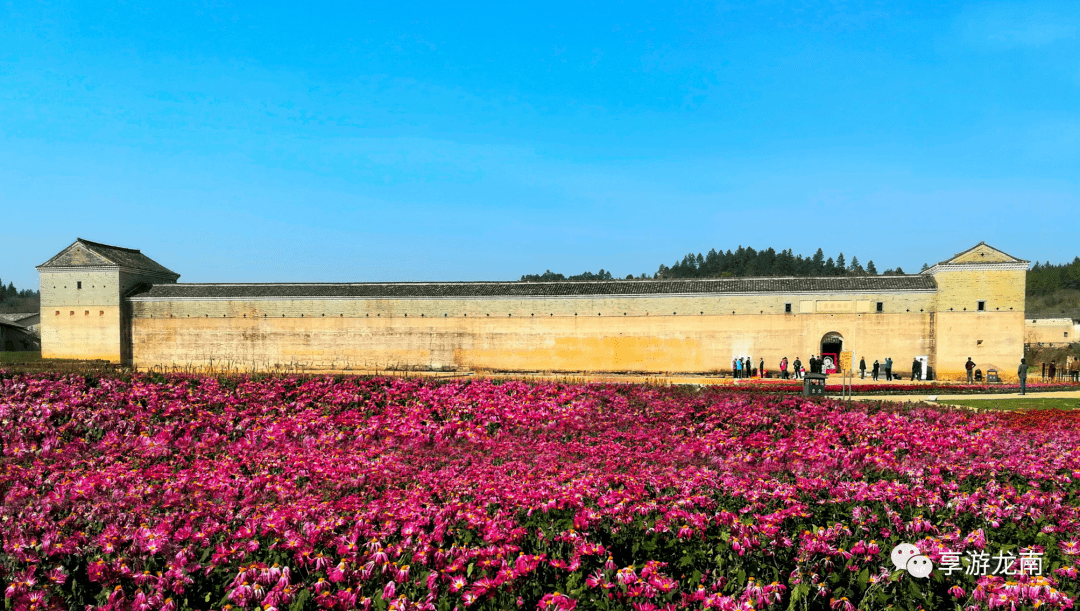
{"points": [[20, 357], [1018, 404]]}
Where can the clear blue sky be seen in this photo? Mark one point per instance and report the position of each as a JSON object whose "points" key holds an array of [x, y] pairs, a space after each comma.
{"points": [[449, 141]]}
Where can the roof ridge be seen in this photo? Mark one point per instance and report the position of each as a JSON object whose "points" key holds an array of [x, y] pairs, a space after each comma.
{"points": [[92, 243], [549, 282]]}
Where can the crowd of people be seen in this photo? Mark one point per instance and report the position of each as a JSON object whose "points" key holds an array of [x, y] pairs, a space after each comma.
{"points": [[1070, 371], [744, 368]]}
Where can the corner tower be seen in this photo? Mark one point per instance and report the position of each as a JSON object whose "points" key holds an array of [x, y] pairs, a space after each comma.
{"points": [[83, 311], [979, 311]]}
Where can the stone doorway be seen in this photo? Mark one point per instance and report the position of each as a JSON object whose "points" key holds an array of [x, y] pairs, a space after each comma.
{"points": [[832, 344]]}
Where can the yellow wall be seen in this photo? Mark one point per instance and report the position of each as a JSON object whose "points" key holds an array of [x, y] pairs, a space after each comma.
{"points": [[87, 322], [235, 333], [80, 323], [962, 289]]}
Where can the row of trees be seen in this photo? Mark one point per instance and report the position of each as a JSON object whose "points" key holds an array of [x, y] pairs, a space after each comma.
{"points": [[742, 262], [13, 300], [1047, 278]]}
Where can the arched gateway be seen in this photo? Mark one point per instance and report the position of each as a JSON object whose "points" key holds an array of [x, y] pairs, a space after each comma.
{"points": [[832, 344]]}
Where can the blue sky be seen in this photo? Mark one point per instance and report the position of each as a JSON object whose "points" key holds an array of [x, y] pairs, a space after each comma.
{"points": [[446, 141]]}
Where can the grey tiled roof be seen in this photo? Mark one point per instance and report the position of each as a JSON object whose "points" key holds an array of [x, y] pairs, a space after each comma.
{"points": [[544, 289], [109, 255], [14, 318]]}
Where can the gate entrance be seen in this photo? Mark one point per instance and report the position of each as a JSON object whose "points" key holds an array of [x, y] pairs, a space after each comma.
{"points": [[832, 343]]}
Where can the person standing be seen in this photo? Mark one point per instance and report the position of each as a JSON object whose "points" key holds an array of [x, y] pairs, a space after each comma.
{"points": [[1021, 373], [1044, 371], [798, 368], [1053, 370], [970, 366], [783, 368], [888, 369], [876, 370], [736, 365], [761, 369], [747, 372], [862, 367]]}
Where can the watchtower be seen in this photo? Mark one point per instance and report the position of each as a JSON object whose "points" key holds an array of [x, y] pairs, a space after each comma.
{"points": [[83, 311], [979, 310]]}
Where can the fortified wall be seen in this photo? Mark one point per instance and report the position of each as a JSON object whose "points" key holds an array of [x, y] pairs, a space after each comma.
{"points": [[970, 305]]}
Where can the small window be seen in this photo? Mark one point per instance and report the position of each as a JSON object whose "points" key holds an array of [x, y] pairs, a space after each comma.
{"points": [[101, 312], [58, 312], [787, 308], [86, 312], [78, 284], [978, 342], [72, 313], [881, 306], [1066, 334], [982, 306]]}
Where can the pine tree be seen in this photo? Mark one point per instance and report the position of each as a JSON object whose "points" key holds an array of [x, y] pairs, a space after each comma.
{"points": [[924, 267], [856, 267], [840, 267], [830, 268], [817, 264], [870, 269]]}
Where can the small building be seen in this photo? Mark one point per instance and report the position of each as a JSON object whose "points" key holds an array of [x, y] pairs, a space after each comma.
{"points": [[16, 338], [1052, 331]]}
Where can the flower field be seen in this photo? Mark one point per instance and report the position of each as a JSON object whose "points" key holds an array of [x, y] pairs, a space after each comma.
{"points": [[199, 493]]}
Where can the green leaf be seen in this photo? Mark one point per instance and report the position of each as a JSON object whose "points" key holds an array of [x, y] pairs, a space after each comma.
{"points": [[864, 576], [468, 571]]}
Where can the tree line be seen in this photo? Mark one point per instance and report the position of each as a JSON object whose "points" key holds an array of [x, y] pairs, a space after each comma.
{"points": [[742, 262], [13, 300], [1047, 278]]}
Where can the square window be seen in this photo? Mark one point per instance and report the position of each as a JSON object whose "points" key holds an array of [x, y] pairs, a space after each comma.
{"points": [[78, 284], [58, 312], [86, 312], [787, 308], [881, 306], [101, 312], [982, 306]]}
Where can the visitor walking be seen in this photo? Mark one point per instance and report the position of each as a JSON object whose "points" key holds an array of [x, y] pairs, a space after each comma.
{"points": [[1022, 374], [970, 366], [876, 370], [761, 369], [798, 368], [862, 367], [888, 369]]}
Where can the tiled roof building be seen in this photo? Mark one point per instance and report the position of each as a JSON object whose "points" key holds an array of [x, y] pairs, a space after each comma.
{"points": [[117, 303]]}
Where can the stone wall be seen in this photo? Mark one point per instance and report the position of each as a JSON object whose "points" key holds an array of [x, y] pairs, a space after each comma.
{"points": [[649, 334]]}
